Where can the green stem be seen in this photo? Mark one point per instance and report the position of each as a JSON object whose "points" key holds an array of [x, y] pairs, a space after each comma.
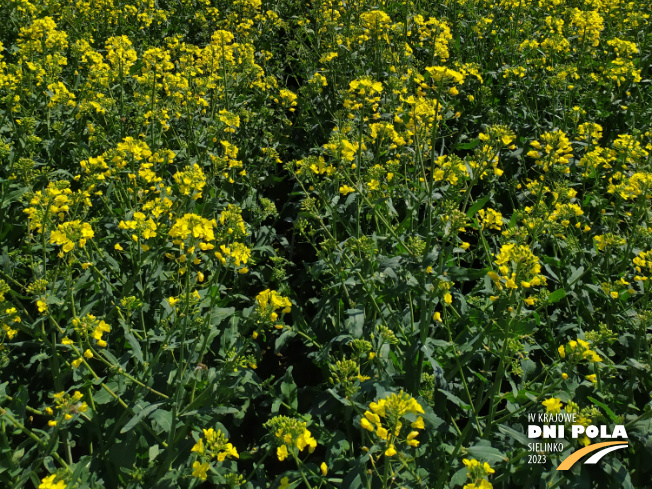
{"points": [[39, 440]]}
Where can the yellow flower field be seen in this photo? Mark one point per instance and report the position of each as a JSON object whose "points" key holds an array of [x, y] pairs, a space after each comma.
{"points": [[325, 243]]}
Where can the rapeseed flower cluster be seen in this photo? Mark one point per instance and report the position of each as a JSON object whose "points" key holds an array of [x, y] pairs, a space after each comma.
{"points": [[588, 24], [386, 419], [628, 151], [498, 135], [52, 203], [490, 219], [143, 226], [237, 252], [596, 161], [478, 472], [89, 325], [376, 25], [8, 320], [317, 165], [9, 317], [194, 227], [4, 289], [576, 351], [631, 187], [289, 435], [432, 33], [590, 132], [232, 224], [643, 263], [553, 405], [346, 374], [342, 148], [177, 138], [364, 93], [131, 149], [230, 120], [72, 233], [565, 213], [608, 241], [518, 267], [485, 158], [48, 482], [268, 304], [120, 53], [191, 181], [66, 407], [553, 152], [584, 417], [451, 169], [385, 131], [287, 99], [213, 445], [442, 75], [423, 115], [41, 49]]}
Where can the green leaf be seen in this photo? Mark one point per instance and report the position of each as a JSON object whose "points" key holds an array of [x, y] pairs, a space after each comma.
{"points": [[477, 205], [557, 295], [113, 265], [353, 480], [512, 433], [638, 365], [624, 296], [153, 452], [219, 314], [282, 340], [289, 389], [355, 322], [486, 453], [536, 317], [609, 412], [575, 276], [459, 274], [470, 145], [522, 327], [481, 377], [13, 197], [338, 445], [459, 477], [136, 351], [140, 415], [163, 418], [455, 400], [102, 396]]}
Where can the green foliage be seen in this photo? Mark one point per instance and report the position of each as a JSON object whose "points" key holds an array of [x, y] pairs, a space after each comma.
{"points": [[327, 244]]}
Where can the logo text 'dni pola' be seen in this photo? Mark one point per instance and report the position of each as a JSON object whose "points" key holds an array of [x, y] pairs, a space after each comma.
{"points": [[559, 431]]}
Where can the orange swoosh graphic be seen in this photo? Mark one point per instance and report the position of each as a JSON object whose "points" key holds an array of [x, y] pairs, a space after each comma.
{"points": [[575, 456]]}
